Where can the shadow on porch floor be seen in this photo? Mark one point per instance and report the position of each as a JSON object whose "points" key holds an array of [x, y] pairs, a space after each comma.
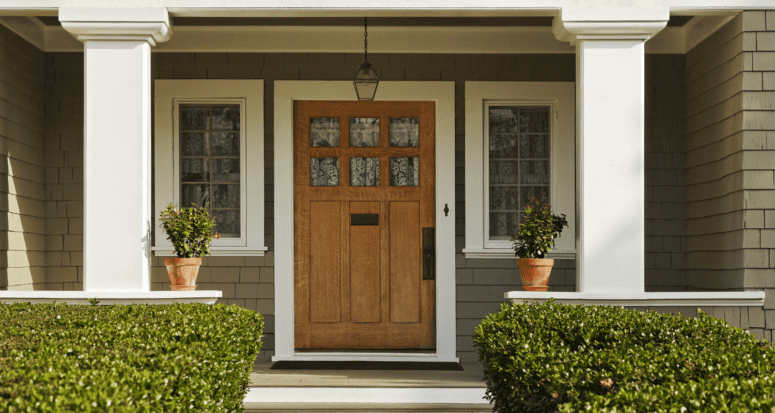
{"points": [[366, 390]]}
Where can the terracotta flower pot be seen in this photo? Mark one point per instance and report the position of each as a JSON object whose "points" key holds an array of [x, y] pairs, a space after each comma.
{"points": [[182, 273], [535, 273]]}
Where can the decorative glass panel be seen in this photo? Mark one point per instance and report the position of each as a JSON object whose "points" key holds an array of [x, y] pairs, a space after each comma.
{"points": [[324, 132], [225, 118], [194, 118], [504, 224], [534, 146], [227, 222], [198, 194], [364, 171], [364, 131], [534, 172], [519, 164], [405, 132], [212, 161], [534, 120], [324, 171], [405, 171], [194, 170], [225, 143], [194, 144]]}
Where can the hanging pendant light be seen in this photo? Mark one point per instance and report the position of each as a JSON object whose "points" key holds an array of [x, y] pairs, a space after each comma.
{"points": [[366, 79]]}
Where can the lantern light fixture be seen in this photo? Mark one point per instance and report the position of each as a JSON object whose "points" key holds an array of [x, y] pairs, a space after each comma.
{"points": [[366, 79]]}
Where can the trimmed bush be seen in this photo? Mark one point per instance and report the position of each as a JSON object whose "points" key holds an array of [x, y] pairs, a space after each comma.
{"points": [[147, 358], [549, 357]]}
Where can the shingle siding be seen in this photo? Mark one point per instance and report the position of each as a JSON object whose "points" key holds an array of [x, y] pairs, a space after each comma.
{"points": [[22, 160]]}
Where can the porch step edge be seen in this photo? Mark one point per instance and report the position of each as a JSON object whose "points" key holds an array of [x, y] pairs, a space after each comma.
{"points": [[368, 407], [367, 395]]}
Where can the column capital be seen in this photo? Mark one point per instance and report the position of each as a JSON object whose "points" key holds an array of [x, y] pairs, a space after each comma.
{"points": [[609, 23], [150, 24]]}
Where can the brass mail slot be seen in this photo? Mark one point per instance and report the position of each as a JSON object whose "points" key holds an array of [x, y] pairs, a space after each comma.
{"points": [[364, 219]]}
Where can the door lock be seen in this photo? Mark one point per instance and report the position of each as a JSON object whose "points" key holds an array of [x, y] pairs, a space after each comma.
{"points": [[428, 253]]}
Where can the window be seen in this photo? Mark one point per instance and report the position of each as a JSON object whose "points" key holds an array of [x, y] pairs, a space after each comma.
{"points": [[209, 151], [519, 145]]}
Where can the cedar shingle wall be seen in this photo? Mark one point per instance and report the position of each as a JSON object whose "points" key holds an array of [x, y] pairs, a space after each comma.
{"points": [[730, 161], [22, 157]]}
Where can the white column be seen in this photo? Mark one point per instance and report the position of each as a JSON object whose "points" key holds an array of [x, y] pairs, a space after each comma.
{"points": [[117, 142], [610, 142]]}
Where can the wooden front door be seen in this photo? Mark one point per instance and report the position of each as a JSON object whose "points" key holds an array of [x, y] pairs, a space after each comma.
{"points": [[364, 191]]}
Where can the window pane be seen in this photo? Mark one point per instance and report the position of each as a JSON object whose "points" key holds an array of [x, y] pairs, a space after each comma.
{"points": [[194, 170], [405, 132], [210, 173], [225, 196], [225, 143], [503, 145], [534, 120], [364, 171], [225, 118], [364, 131], [534, 172], [503, 172], [194, 144], [504, 198], [324, 171], [534, 146], [225, 170], [503, 119], [541, 193], [227, 222], [324, 132], [198, 194], [194, 118], [504, 225], [405, 171]]}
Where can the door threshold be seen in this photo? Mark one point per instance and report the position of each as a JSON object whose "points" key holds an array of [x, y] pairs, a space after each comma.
{"points": [[374, 355]]}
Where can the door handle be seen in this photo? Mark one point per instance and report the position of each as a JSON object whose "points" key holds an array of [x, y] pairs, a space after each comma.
{"points": [[428, 253]]}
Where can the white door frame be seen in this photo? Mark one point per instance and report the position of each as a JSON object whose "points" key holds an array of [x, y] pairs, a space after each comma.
{"points": [[443, 93]]}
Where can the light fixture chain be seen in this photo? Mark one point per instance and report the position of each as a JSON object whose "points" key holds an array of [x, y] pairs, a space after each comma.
{"points": [[365, 38]]}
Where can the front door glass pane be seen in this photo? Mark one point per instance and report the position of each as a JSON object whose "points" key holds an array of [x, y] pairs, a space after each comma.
{"points": [[404, 132], [324, 132], [364, 171], [324, 171], [364, 132], [405, 171]]}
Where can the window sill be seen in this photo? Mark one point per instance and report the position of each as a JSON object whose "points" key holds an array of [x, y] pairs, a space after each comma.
{"points": [[651, 299], [508, 253], [217, 251]]}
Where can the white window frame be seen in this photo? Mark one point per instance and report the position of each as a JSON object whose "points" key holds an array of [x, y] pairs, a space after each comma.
{"points": [[560, 98], [249, 95]]}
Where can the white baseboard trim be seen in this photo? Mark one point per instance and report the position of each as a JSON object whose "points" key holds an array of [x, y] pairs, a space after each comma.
{"points": [[426, 395], [653, 299], [107, 298]]}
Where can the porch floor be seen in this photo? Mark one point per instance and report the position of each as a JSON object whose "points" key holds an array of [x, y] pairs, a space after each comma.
{"points": [[366, 390]]}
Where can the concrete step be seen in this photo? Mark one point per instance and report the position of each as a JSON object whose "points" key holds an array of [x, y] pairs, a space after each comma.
{"points": [[367, 407]]}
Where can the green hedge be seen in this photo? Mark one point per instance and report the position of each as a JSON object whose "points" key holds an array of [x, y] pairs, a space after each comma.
{"points": [[549, 357], [145, 358]]}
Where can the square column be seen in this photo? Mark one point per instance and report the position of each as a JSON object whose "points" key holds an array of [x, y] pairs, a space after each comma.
{"points": [[117, 143], [610, 142]]}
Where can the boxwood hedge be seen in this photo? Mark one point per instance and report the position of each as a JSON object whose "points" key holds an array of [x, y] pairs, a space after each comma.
{"points": [[550, 357], [146, 358]]}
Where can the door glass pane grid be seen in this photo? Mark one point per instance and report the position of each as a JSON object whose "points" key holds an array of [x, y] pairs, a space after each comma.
{"points": [[210, 163], [519, 166]]}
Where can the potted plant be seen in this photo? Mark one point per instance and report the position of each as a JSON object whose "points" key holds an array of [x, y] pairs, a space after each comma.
{"points": [[535, 238], [190, 232]]}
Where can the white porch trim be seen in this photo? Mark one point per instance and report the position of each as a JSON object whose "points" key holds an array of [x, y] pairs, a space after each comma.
{"points": [[443, 93], [83, 297], [370, 395]]}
